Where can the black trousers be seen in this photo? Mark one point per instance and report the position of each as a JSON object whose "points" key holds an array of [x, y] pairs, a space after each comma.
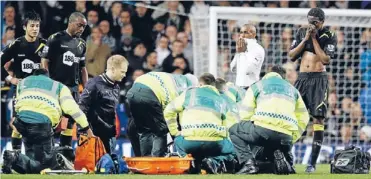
{"points": [[149, 120], [39, 149], [245, 135]]}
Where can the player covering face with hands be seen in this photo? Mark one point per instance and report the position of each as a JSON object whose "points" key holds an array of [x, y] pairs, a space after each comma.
{"points": [[249, 57], [315, 45]]}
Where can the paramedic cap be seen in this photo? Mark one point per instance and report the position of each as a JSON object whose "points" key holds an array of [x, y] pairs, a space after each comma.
{"points": [[192, 78]]}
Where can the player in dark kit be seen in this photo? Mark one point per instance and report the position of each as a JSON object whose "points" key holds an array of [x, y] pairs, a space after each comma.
{"points": [[64, 58], [21, 57], [316, 46]]}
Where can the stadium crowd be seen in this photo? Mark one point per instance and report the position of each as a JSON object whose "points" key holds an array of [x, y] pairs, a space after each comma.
{"points": [[155, 39]]}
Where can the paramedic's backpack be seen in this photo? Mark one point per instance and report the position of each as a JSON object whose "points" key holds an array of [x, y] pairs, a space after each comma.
{"points": [[351, 160], [88, 152]]}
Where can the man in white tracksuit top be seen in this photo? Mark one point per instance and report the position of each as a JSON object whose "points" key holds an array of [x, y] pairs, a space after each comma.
{"points": [[249, 57]]}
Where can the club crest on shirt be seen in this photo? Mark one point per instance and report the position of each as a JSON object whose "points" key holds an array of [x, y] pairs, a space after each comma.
{"points": [[293, 43], [330, 47]]}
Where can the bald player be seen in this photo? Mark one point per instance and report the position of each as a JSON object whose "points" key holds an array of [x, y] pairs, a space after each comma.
{"points": [[249, 57], [315, 45]]}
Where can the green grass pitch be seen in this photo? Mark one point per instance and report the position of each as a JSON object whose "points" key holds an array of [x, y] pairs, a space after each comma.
{"points": [[323, 172]]}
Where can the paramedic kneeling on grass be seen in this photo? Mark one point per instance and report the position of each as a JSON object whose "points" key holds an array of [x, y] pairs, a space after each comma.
{"points": [[273, 116], [40, 103], [147, 99], [204, 123]]}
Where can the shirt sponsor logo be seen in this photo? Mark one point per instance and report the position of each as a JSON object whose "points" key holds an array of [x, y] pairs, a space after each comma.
{"points": [[21, 55], [64, 46], [69, 58], [28, 66]]}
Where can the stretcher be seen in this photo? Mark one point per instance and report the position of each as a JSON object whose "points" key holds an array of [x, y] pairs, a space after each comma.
{"points": [[170, 165]]}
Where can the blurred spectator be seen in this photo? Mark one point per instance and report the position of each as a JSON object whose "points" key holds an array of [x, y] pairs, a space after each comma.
{"points": [[365, 101], [96, 6], [136, 59], [176, 51], [188, 48], [356, 121], [162, 49], [80, 6], [188, 30], [143, 24], [199, 8], [180, 66], [340, 4], [346, 104], [127, 41], [151, 63], [114, 15], [93, 18], [272, 4], [331, 82], [129, 82], [284, 4], [97, 53], [365, 134], [365, 39], [349, 84], [107, 37], [8, 37], [171, 33], [346, 134], [291, 74], [157, 31], [333, 113], [171, 18], [163, 7], [124, 19], [365, 65], [10, 20], [56, 15]]}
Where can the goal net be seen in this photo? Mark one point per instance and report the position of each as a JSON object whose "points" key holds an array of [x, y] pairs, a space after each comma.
{"points": [[349, 109]]}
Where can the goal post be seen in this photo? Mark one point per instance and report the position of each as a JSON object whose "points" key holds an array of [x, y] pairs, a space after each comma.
{"points": [[214, 37]]}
